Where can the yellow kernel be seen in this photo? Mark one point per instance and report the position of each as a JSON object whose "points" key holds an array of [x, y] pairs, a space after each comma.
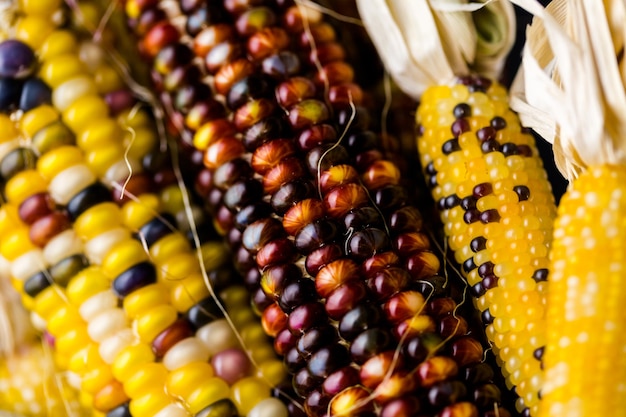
{"points": [[84, 112], [61, 68], [206, 393], [152, 322], [145, 298], [33, 30], [184, 380], [122, 256], [23, 185], [57, 160], [138, 213], [129, 358]]}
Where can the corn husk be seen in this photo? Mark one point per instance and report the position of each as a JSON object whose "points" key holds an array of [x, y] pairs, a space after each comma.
{"points": [[429, 42], [579, 104]]}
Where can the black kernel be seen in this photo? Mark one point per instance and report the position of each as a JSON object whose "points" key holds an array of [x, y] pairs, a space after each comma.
{"points": [[509, 149], [490, 145], [432, 181], [478, 243], [450, 146], [462, 110], [541, 275], [523, 193], [430, 168], [468, 203], [498, 123], [469, 264], [471, 216], [486, 317], [478, 290], [441, 204], [452, 201], [538, 353], [420, 130], [526, 412]]}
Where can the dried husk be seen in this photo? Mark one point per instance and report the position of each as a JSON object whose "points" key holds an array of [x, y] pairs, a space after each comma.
{"points": [[429, 42], [570, 88]]}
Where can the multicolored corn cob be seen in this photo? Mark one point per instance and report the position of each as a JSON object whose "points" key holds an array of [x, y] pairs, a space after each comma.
{"points": [[339, 265], [496, 204], [137, 357]]}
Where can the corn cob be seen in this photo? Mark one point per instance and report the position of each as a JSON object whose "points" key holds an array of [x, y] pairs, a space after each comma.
{"points": [[486, 176], [587, 266], [114, 249], [289, 195], [585, 366]]}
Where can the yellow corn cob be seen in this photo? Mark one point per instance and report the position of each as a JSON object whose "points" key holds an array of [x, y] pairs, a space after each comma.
{"points": [[486, 176], [585, 357]]}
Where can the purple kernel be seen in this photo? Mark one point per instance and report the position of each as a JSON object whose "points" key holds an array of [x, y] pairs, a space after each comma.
{"points": [[509, 149], [485, 269], [490, 216], [486, 133], [498, 123], [231, 365], [478, 243], [460, 126], [490, 145], [490, 281], [482, 190], [471, 216]]}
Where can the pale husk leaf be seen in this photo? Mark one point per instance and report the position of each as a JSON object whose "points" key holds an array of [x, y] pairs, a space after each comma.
{"points": [[428, 42], [572, 90]]}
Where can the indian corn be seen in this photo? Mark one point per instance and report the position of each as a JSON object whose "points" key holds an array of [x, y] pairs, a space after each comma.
{"points": [[489, 184], [340, 268], [122, 294]]}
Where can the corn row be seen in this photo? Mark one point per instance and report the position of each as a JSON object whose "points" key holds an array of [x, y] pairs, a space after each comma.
{"points": [[496, 204], [334, 287], [123, 260]]}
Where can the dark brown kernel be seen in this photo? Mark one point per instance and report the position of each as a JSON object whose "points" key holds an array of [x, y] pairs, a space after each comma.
{"points": [[490, 216], [523, 193]]}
